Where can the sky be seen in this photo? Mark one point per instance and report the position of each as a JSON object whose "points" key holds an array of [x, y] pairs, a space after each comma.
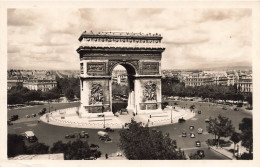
{"points": [[47, 38]]}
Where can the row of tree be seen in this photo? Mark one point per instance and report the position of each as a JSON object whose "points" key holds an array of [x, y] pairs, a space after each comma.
{"points": [[173, 87], [70, 87], [223, 127], [76, 150], [21, 95]]}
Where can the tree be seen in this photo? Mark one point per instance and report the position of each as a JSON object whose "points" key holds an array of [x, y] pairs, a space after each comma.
{"points": [[76, 150], [220, 127], [235, 138], [37, 148], [211, 127], [69, 94], [142, 143], [247, 134], [15, 145]]}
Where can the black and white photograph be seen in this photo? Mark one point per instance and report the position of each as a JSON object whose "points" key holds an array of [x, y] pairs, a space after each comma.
{"points": [[133, 82]]}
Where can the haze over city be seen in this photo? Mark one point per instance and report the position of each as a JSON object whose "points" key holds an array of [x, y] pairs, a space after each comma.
{"points": [[46, 38]]}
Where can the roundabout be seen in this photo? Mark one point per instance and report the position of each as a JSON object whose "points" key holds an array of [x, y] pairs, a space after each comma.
{"points": [[69, 118]]}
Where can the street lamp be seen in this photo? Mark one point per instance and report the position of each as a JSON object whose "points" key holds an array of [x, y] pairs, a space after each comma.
{"points": [[104, 116], [171, 114]]}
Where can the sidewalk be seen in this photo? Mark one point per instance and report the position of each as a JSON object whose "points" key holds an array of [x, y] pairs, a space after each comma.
{"points": [[223, 152]]}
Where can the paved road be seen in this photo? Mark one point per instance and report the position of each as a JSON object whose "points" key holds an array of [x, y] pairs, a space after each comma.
{"points": [[49, 134]]}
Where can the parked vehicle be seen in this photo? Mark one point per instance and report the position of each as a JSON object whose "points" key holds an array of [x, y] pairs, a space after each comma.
{"points": [[108, 130], [29, 135], [33, 115], [181, 120], [14, 118], [198, 144], [27, 116], [224, 108], [199, 112], [184, 134], [200, 131]]}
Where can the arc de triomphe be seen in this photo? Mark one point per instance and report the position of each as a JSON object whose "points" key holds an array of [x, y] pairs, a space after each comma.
{"points": [[139, 53]]}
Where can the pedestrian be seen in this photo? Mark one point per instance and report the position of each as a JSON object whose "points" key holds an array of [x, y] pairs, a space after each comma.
{"points": [[106, 156]]}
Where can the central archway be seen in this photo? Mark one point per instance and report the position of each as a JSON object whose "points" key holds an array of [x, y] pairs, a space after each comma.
{"points": [[130, 73]]}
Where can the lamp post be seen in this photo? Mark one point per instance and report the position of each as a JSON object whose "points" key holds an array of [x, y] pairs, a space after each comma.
{"points": [[49, 106], [171, 114], [104, 116]]}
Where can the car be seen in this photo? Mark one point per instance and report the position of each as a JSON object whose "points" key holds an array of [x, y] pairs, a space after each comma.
{"points": [[184, 134], [199, 112], [108, 130], [200, 131], [94, 147], [14, 118], [197, 143], [27, 116], [236, 109], [192, 135], [181, 120], [70, 136], [224, 108], [175, 103], [33, 115], [29, 135], [207, 120], [108, 140], [83, 134], [201, 153], [191, 127]]}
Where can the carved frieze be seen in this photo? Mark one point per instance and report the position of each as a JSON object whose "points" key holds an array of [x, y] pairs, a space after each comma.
{"points": [[150, 68], [150, 91], [96, 67], [113, 63], [97, 96]]}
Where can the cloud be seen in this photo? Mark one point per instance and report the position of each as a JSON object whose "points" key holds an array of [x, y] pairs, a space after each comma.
{"points": [[41, 38]]}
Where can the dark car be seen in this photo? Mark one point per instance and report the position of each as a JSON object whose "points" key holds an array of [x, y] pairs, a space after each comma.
{"points": [[164, 104], [181, 120], [33, 115], [201, 153], [14, 118], [236, 109], [109, 130], [70, 136], [108, 140], [199, 112], [94, 147], [198, 144]]}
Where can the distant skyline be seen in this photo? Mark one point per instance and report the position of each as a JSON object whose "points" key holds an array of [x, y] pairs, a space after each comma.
{"points": [[47, 38]]}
